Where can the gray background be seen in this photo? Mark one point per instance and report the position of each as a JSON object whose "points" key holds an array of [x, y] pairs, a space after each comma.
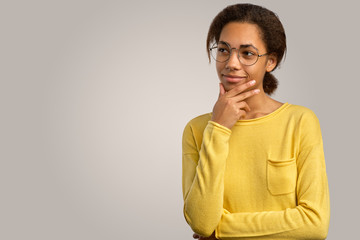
{"points": [[94, 96]]}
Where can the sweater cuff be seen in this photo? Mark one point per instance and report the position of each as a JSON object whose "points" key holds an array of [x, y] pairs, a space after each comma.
{"points": [[220, 127]]}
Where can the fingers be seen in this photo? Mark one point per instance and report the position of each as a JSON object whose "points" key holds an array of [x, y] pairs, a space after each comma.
{"points": [[231, 107], [196, 236], [222, 89], [245, 95], [243, 105], [240, 88]]}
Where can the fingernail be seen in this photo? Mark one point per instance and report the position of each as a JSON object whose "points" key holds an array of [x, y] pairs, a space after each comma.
{"points": [[252, 82], [256, 90]]}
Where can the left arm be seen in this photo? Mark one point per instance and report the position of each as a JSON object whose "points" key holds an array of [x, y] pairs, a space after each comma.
{"points": [[310, 218]]}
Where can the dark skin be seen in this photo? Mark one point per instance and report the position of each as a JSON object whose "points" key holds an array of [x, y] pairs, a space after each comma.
{"points": [[197, 236], [240, 97], [231, 106], [241, 87]]}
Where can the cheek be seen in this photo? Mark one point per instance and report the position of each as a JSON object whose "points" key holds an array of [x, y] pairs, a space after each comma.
{"points": [[256, 72], [219, 68]]}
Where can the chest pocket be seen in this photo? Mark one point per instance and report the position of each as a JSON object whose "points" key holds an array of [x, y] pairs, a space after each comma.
{"points": [[281, 176]]}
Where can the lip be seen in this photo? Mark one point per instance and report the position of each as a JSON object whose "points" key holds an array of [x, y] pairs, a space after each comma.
{"points": [[233, 78]]}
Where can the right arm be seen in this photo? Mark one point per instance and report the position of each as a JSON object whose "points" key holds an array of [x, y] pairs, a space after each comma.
{"points": [[203, 170], [203, 176]]}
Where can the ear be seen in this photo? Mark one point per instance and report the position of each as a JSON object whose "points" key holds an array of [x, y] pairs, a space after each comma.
{"points": [[271, 62]]}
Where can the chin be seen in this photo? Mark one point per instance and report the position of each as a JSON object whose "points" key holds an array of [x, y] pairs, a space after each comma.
{"points": [[228, 86]]}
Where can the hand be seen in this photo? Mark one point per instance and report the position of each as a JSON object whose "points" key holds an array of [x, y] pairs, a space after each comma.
{"points": [[230, 106], [197, 236]]}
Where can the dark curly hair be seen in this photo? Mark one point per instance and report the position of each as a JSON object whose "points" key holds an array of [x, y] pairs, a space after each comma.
{"points": [[271, 30]]}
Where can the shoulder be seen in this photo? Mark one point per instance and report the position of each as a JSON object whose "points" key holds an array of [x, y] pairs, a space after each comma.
{"points": [[193, 133], [306, 123], [198, 124], [301, 113], [199, 121]]}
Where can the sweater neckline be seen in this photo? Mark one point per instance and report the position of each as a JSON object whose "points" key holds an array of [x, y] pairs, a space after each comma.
{"points": [[265, 117]]}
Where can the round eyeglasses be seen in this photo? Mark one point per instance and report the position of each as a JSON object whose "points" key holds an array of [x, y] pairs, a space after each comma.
{"points": [[248, 54]]}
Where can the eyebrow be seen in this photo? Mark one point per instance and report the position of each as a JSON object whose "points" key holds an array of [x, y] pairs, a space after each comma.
{"points": [[242, 45]]}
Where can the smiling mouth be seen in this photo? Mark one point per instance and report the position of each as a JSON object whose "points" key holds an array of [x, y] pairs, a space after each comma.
{"points": [[234, 79]]}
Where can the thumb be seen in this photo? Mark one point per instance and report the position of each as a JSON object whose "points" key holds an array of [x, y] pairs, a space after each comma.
{"points": [[222, 89]]}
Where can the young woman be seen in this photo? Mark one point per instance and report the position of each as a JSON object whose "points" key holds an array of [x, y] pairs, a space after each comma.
{"points": [[254, 168]]}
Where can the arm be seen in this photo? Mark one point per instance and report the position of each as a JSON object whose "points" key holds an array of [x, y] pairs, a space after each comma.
{"points": [[204, 167], [203, 176], [310, 218]]}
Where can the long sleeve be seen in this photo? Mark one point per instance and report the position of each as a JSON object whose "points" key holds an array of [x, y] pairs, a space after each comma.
{"points": [[263, 179], [203, 176], [310, 218]]}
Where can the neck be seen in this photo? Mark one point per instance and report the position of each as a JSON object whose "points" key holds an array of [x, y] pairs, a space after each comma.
{"points": [[261, 105]]}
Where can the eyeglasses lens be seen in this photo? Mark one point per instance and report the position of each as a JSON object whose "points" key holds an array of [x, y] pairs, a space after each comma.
{"points": [[248, 55]]}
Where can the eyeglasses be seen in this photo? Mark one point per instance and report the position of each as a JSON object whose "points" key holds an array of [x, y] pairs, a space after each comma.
{"points": [[248, 54]]}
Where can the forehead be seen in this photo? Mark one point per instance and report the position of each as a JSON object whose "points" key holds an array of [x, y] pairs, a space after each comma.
{"points": [[237, 34]]}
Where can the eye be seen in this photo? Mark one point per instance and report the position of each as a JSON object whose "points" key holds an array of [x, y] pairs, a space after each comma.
{"points": [[223, 50], [248, 53]]}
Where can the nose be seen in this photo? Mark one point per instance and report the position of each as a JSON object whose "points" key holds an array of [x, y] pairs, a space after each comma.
{"points": [[233, 63]]}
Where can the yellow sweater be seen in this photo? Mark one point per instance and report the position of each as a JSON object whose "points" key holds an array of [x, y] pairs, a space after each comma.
{"points": [[263, 179]]}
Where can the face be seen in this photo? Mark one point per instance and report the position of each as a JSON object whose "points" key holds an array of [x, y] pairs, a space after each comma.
{"points": [[233, 72]]}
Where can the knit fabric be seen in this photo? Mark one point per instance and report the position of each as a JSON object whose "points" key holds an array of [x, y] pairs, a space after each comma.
{"points": [[263, 179]]}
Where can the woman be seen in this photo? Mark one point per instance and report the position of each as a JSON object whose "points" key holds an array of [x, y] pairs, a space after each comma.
{"points": [[254, 168]]}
